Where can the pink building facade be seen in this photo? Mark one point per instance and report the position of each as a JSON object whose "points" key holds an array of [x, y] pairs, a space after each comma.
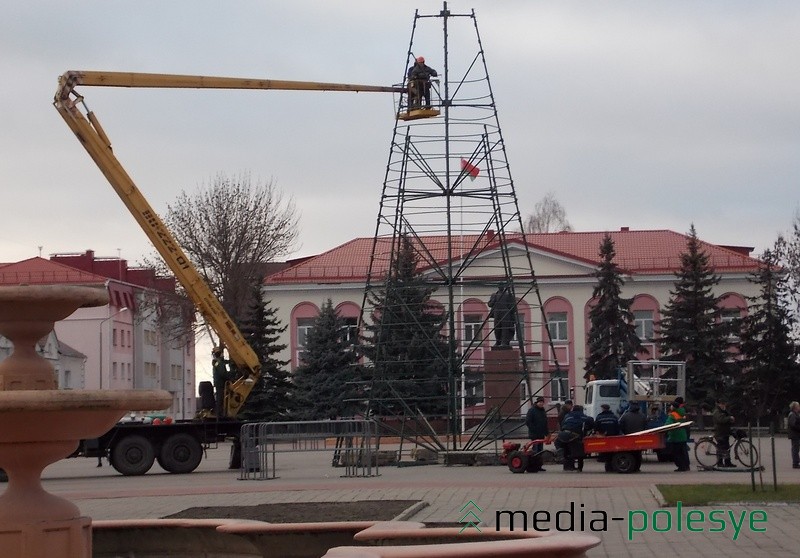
{"points": [[564, 263]]}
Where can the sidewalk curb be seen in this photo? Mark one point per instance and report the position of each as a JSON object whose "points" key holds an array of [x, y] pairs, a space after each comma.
{"points": [[411, 511], [656, 493]]}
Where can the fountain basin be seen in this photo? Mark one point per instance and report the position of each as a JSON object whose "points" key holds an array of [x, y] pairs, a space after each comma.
{"points": [[46, 416], [210, 538]]}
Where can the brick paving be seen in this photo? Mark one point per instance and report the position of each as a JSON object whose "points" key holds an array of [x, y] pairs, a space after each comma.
{"points": [[308, 477]]}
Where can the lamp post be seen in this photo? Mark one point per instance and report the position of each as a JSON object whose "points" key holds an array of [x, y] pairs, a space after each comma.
{"points": [[104, 320]]}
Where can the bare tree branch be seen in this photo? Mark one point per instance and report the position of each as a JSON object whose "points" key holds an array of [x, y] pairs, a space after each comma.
{"points": [[548, 216], [230, 228]]}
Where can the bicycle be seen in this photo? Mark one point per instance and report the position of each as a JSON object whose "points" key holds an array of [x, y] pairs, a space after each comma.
{"points": [[743, 451]]}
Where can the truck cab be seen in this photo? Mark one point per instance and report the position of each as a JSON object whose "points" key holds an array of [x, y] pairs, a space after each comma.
{"points": [[652, 383], [599, 392]]}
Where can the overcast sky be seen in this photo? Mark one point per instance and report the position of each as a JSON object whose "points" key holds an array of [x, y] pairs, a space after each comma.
{"points": [[638, 114]]}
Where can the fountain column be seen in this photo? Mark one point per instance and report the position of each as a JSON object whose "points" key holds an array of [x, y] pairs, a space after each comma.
{"points": [[40, 424]]}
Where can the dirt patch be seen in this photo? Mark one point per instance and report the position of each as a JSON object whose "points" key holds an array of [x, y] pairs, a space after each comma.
{"points": [[310, 512]]}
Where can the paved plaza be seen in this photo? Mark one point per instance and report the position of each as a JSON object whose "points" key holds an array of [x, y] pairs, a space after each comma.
{"points": [[568, 498]]}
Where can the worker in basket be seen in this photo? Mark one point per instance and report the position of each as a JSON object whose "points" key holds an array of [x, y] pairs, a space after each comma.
{"points": [[419, 83]]}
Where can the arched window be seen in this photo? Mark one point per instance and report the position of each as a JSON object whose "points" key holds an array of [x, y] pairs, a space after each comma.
{"points": [[732, 306], [645, 318], [474, 330], [303, 317], [349, 313], [558, 358]]}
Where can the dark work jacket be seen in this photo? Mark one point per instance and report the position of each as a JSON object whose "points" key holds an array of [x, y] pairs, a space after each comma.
{"points": [[421, 71], [722, 423], [793, 425], [577, 422], [607, 423], [632, 421]]}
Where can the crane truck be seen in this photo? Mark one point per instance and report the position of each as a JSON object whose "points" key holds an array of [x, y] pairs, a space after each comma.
{"points": [[177, 446], [652, 383]]}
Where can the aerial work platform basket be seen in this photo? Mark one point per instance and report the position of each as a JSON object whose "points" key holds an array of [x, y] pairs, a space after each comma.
{"points": [[417, 113]]}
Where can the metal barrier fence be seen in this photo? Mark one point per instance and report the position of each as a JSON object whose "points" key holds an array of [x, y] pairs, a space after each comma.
{"points": [[355, 445]]}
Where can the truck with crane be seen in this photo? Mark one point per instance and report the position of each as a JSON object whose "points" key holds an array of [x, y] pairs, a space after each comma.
{"points": [[652, 383], [178, 446]]}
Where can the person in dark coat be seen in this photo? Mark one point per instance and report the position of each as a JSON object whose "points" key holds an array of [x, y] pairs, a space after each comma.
{"points": [[606, 422], [536, 421], [575, 426], [221, 374], [564, 411], [657, 417], [793, 427], [723, 421], [632, 420], [419, 83]]}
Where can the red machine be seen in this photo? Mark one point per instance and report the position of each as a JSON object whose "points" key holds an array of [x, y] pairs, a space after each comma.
{"points": [[521, 459]]}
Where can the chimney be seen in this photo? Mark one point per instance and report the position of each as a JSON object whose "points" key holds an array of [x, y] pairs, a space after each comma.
{"points": [[624, 229]]}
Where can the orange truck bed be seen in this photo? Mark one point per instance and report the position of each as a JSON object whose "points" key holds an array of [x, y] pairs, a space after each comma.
{"points": [[629, 442]]}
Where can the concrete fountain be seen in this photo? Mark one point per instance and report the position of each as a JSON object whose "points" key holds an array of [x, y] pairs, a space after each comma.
{"points": [[40, 424]]}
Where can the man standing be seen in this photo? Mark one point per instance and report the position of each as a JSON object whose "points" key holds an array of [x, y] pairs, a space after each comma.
{"points": [[632, 420], [722, 432], [221, 375], [536, 421], [419, 83], [565, 409], [576, 425], [678, 438], [794, 432]]}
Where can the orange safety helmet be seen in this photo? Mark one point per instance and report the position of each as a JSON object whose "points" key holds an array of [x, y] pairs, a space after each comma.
{"points": [[421, 59]]}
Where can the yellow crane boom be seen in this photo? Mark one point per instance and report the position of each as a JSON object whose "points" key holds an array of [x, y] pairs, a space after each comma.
{"points": [[91, 135]]}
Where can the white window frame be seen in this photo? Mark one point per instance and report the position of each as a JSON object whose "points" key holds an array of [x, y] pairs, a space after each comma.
{"points": [[303, 327], [643, 324], [561, 326]]}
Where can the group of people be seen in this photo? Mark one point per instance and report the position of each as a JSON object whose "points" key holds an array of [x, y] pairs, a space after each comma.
{"points": [[575, 425]]}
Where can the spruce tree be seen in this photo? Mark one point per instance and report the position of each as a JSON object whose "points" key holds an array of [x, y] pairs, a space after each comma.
{"points": [[269, 400], [326, 382], [612, 334], [787, 251], [770, 376], [404, 342], [690, 329]]}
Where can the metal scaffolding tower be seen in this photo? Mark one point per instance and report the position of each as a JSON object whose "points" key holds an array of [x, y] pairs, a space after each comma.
{"points": [[448, 207]]}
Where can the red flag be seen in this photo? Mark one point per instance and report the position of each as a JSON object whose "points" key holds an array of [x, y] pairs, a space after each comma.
{"points": [[471, 169]]}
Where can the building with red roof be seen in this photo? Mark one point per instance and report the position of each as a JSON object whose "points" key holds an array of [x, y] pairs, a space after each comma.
{"points": [[564, 264], [127, 344]]}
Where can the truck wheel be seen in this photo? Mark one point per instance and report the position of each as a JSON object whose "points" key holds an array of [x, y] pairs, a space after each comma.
{"points": [[133, 455], [624, 462], [517, 462], [180, 454]]}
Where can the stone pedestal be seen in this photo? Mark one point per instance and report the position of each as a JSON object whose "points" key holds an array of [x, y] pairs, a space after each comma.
{"points": [[502, 375]]}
